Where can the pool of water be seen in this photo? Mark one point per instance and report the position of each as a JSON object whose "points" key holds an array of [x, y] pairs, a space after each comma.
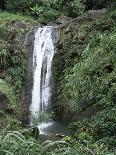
{"points": [[54, 128]]}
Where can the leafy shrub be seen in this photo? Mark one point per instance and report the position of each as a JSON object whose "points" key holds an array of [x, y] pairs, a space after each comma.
{"points": [[44, 12], [74, 8], [100, 127], [8, 91], [14, 64]]}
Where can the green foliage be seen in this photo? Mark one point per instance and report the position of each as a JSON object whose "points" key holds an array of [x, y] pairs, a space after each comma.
{"points": [[18, 5], [47, 9], [50, 9], [104, 123], [44, 12], [89, 77], [15, 72], [93, 77], [74, 8], [8, 91], [12, 59], [14, 64], [6, 17], [100, 127], [15, 143], [9, 122]]}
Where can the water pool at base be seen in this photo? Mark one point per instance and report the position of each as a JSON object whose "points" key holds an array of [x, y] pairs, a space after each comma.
{"points": [[54, 128]]}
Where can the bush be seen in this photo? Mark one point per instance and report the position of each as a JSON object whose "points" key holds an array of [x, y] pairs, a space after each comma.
{"points": [[100, 127], [49, 9], [74, 8]]}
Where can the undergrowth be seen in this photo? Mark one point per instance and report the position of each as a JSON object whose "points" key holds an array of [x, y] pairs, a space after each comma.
{"points": [[15, 143]]}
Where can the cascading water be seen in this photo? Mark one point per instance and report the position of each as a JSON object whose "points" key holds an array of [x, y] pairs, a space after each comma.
{"points": [[42, 60], [42, 82]]}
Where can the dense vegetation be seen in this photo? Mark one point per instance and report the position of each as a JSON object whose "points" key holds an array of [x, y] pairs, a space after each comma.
{"points": [[86, 76]]}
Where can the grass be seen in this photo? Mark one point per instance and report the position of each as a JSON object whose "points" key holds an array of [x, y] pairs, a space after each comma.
{"points": [[5, 16]]}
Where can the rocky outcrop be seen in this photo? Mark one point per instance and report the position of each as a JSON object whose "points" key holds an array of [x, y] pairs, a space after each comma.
{"points": [[64, 19], [92, 15], [87, 112], [26, 95]]}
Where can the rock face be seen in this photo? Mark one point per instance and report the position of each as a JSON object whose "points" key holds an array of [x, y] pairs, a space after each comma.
{"points": [[16, 34], [92, 15], [96, 13], [84, 113], [26, 96], [64, 19]]}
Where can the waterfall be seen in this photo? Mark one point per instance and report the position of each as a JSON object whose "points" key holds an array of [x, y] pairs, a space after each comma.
{"points": [[43, 52], [42, 59]]}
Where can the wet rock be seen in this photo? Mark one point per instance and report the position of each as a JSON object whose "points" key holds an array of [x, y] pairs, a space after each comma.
{"points": [[82, 113], [27, 90], [64, 19], [60, 136], [92, 14], [96, 13]]}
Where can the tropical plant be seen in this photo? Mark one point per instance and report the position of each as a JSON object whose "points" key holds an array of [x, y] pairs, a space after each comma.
{"points": [[15, 143], [93, 77]]}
